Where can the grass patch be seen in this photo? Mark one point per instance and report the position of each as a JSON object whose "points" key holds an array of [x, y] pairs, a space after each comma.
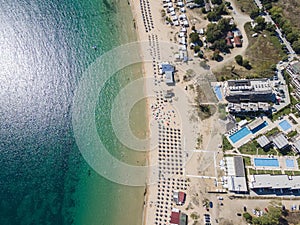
{"points": [[247, 161], [292, 134], [246, 6], [292, 173], [285, 111], [249, 148], [262, 52], [272, 172], [226, 144], [291, 11], [269, 133], [222, 111]]}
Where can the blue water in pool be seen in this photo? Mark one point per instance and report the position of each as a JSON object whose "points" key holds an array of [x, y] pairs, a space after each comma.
{"points": [[266, 162], [239, 134], [289, 163], [218, 93], [285, 125], [258, 128], [245, 131]]}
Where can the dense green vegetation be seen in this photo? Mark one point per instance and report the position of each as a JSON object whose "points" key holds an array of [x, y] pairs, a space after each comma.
{"points": [[216, 34], [226, 144], [291, 31], [217, 12]]}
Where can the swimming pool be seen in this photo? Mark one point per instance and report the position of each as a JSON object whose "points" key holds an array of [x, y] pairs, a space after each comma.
{"points": [[245, 131], [239, 134], [285, 125], [258, 128], [266, 162], [289, 163], [218, 93]]}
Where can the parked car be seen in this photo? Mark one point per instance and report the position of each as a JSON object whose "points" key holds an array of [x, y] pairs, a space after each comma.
{"points": [[210, 204]]}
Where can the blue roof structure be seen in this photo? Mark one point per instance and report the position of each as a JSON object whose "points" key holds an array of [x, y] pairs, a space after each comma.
{"points": [[167, 67]]}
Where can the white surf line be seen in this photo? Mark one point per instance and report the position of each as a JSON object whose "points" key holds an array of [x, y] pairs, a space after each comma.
{"points": [[203, 177]]}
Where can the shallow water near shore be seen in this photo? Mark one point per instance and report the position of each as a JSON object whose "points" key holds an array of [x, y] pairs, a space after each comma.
{"points": [[45, 46]]}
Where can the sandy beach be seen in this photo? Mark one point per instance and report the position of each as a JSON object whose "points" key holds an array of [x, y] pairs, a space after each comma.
{"points": [[165, 121]]}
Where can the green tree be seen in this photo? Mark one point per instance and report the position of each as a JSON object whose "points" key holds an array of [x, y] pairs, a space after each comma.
{"points": [[213, 33], [247, 217], [216, 55], [246, 64], [221, 9], [273, 217], [221, 45], [293, 36], [196, 48], [296, 46], [254, 13], [273, 67], [261, 24], [200, 54], [224, 25], [239, 59], [218, 2], [199, 2], [213, 16], [270, 27], [194, 37]]}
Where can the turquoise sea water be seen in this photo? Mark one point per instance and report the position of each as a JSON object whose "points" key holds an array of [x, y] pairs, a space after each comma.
{"points": [[45, 46]]}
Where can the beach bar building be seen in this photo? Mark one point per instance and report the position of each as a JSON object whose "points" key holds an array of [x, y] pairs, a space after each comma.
{"points": [[179, 197], [178, 218], [236, 179], [168, 70]]}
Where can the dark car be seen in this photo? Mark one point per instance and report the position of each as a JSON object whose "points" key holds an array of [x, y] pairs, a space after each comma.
{"points": [[239, 214], [210, 204], [245, 209]]}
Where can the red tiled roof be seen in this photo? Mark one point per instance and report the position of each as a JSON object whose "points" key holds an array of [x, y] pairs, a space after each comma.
{"points": [[237, 40], [181, 197], [228, 42], [175, 217]]}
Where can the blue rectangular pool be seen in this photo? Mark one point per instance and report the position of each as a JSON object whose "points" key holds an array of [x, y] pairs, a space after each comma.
{"points": [[258, 128], [289, 163], [285, 125], [239, 134], [217, 90], [266, 162]]}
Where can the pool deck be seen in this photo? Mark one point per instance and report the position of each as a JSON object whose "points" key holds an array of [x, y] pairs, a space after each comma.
{"points": [[251, 136], [281, 160], [293, 126]]}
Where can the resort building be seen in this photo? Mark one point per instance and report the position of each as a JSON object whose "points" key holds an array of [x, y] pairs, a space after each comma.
{"points": [[248, 107], [178, 218], [280, 141], [266, 183], [296, 146], [236, 177], [237, 41], [248, 90], [168, 70], [264, 142], [294, 71], [179, 197]]}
